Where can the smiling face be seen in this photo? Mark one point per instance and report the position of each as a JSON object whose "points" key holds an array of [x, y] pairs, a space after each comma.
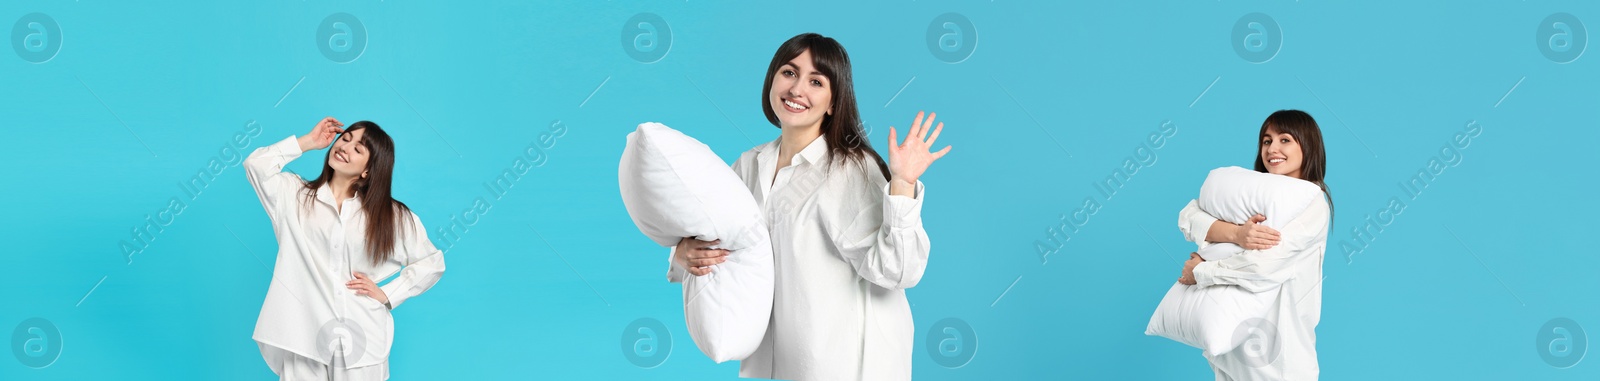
{"points": [[1281, 153], [349, 155], [801, 95]]}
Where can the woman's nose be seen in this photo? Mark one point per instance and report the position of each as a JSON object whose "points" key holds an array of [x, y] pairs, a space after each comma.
{"points": [[794, 89]]}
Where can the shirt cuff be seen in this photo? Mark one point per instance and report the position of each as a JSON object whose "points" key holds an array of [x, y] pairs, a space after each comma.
{"points": [[675, 274], [288, 147], [901, 211], [392, 291], [1203, 275], [1200, 229], [1217, 252]]}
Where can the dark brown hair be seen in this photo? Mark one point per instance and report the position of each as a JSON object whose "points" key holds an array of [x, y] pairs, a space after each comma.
{"points": [[841, 128], [384, 213], [1314, 162]]}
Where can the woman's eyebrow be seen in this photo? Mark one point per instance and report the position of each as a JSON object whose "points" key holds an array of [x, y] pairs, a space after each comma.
{"points": [[796, 66]]}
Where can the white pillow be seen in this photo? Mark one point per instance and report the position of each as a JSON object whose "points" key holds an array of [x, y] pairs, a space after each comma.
{"points": [[1234, 194], [673, 186], [1208, 317]]}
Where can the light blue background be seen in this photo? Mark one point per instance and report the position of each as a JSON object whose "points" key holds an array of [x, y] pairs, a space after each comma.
{"points": [[1056, 95]]}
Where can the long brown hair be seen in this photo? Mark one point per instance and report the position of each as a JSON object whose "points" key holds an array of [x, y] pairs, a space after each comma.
{"points": [[384, 213], [1314, 161], [842, 128]]}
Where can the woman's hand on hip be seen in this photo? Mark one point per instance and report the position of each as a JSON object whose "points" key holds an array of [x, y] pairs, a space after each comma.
{"points": [[365, 286]]}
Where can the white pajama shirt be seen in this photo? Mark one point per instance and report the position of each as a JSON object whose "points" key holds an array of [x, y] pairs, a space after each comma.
{"points": [[319, 246], [1292, 271], [844, 253]]}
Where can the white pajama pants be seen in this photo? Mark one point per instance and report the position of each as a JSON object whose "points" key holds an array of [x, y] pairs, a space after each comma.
{"points": [[300, 368]]}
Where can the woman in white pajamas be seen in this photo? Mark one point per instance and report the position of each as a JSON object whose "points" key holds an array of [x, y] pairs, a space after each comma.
{"points": [[846, 227], [325, 317], [1287, 264]]}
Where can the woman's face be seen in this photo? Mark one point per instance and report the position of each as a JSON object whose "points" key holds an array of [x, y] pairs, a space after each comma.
{"points": [[801, 95], [1281, 153], [348, 156]]}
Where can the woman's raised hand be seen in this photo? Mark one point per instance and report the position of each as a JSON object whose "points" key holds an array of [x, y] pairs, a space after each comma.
{"points": [[322, 135], [697, 256], [908, 160]]}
